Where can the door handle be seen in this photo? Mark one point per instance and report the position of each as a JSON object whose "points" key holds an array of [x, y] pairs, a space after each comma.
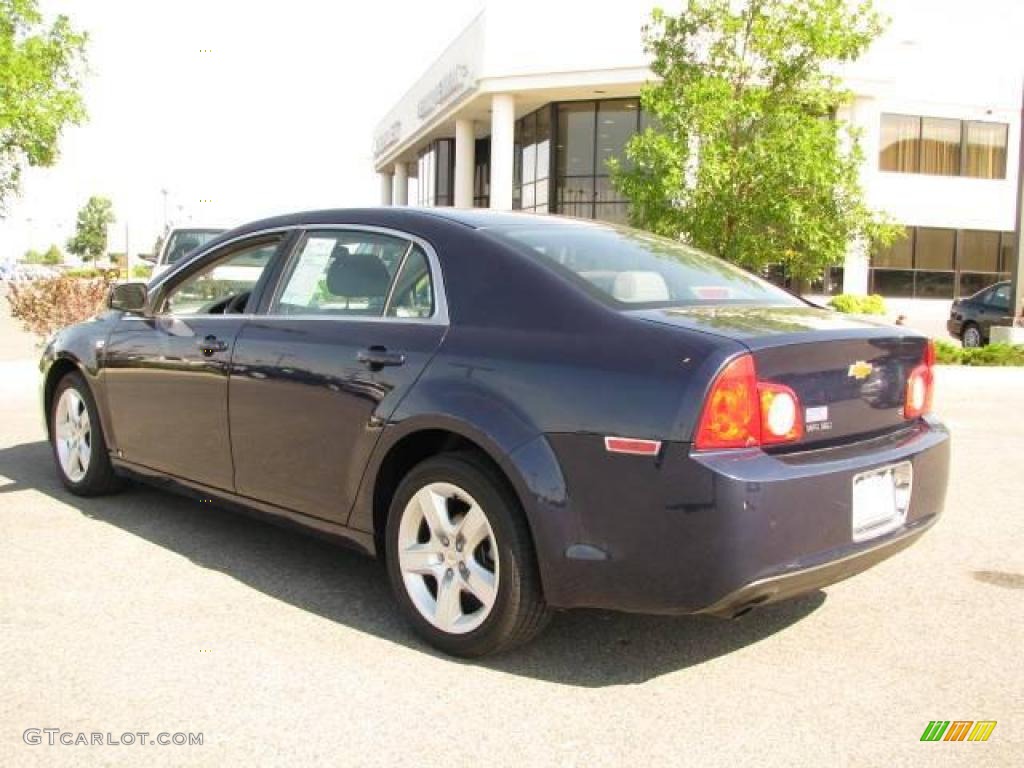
{"points": [[376, 358], [211, 344]]}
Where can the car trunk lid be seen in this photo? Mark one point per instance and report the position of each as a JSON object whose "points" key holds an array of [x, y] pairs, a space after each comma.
{"points": [[849, 374]]}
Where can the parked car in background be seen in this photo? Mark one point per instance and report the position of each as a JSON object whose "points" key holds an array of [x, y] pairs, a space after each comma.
{"points": [[180, 242], [971, 319], [19, 272], [516, 412]]}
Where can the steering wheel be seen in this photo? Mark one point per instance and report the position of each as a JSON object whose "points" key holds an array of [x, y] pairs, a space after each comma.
{"points": [[237, 304]]}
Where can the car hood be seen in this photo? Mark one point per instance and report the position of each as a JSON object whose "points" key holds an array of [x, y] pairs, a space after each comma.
{"points": [[764, 326]]}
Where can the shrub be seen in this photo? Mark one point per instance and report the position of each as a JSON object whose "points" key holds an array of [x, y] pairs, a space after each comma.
{"points": [[947, 353], [992, 355], [858, 305], [45, 306], [142, 271]]}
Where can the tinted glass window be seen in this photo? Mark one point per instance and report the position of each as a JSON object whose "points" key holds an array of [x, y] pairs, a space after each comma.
{"points": [[899, 254], [935, 248], [1000, 298], [576, 139], [340, 273], [212, 289], [979, 251], [986, 150], [940, 146], [638, 269], [901, 135], [413, 294]]}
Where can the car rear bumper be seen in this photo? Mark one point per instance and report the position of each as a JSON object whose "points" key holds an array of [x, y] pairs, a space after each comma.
{"points": [[828, 569], [716, 532], [955, 327]]}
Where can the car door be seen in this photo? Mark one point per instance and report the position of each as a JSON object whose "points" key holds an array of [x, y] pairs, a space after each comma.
{"points": [[166, 372], [996, 308], [356, 316]]}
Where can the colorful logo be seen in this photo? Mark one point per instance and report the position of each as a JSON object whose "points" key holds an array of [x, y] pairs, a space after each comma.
{"points": [[958, 730], [860, 370]]}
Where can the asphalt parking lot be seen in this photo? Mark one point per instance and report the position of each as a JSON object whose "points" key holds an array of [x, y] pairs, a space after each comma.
{"points": [[150, 612]]}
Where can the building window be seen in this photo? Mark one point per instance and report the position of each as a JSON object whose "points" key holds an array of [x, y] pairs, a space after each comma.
{"points": [[589, 134], [435, 173], [986, 150], [482, 173], [532, 161], [932, 262], [943, 146]]}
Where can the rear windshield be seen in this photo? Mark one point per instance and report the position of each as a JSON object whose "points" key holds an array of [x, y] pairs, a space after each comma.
{"points": [[638, 270]]}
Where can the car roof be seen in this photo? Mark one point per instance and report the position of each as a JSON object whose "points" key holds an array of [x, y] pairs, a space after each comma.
{"points": [[473, 218]]}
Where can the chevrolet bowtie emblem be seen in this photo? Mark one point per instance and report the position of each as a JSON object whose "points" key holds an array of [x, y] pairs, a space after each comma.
{"points": [[860, 370]]}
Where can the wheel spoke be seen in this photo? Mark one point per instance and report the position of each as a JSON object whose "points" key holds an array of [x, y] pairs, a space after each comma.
{"points": [[422, 558], [473, 528], [434, 508], [480, 582], [64, 429], [448, 609]]}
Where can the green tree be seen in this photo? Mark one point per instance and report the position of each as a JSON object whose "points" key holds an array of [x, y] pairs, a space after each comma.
{"points": [[746, 157], [41, 68], [53, 255], [32, 256], [90, 240]]}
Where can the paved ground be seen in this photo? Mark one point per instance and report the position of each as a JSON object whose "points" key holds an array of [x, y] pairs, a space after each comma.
{"points": [[148, 612]]}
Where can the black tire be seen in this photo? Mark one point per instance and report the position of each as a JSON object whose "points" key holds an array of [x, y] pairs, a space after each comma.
{"points": [[99, 479], [519, 611], [971, 336]]}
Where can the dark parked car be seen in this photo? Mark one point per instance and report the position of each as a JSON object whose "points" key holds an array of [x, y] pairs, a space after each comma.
{"points": [[971, 319], [518, 413]]}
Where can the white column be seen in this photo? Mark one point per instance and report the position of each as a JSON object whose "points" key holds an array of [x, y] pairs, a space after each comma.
{"points": [[385, 188], [855, 268], [401, 184], [465, 157], [503, 123]]}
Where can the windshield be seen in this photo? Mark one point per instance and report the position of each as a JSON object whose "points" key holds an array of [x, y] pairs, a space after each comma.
{"points": [[184, 241], [639, 270]]}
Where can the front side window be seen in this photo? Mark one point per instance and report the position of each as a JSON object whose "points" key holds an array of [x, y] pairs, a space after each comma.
{"points": [[1000, 298], [635, 269], [226, 285], [352, 273]]}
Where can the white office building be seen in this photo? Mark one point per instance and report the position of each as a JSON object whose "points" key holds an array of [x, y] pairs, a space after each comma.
{"points": [[523, 109]]}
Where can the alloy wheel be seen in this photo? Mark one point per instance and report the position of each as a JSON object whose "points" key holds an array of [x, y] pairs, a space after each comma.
{"points": [[73, 435], [448, 558], [972, 337]]}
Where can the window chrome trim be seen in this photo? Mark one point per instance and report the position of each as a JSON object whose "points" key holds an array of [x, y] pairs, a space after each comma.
{"points": [[440, 315]]}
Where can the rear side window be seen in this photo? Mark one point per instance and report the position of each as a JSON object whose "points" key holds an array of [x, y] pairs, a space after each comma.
{"points": [[638, 270], [413, 294], [341, 273]]}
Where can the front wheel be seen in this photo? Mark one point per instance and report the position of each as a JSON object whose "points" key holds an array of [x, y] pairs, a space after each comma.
{"points": [[460, 558], [971, 336], [76, 436]]}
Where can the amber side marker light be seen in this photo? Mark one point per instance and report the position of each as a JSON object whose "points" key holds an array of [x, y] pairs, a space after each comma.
{"points": [[742, 412]]}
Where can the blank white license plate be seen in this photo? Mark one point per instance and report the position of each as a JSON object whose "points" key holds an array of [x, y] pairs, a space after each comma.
{"points": [[881, 499]]}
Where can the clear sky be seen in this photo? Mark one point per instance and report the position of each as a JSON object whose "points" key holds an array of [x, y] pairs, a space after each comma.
{"points": [[277, 116]]}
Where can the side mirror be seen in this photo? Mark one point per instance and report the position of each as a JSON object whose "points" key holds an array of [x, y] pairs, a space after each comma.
{"points": [[150, 257], [128, 297]]}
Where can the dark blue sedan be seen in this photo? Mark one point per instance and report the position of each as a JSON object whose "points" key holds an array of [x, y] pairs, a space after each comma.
{"points": [[518, 413]]}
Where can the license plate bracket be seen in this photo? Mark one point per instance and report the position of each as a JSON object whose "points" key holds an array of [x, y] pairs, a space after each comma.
{"points": [[881, 500]]}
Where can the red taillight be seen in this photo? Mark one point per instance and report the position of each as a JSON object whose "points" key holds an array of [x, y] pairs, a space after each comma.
{"points": [[917, 401], [742, 412], [732, 416]]}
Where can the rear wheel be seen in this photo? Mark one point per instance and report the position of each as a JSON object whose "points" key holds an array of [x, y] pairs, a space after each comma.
{"points": [[76, 436], [460, 558], [971, 336]]}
